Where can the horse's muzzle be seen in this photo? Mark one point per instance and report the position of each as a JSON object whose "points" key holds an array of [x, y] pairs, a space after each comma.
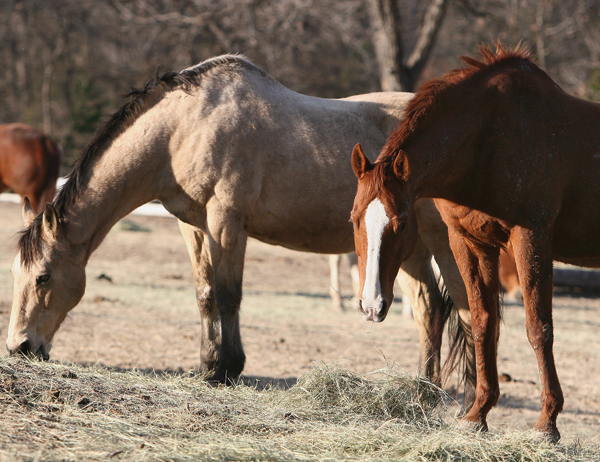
{"points": [[25, 349], [376, 311]]}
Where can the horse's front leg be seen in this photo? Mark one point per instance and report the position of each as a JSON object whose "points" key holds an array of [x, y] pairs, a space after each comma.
{"points": [[533, 257], [418, 283], [478, 265], [227, 239], [434, 233], [198, 249]]}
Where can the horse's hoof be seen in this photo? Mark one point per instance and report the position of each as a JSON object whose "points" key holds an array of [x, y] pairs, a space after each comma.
{"points": [[468, 426], [549, 435], [222, 378], [205, 371]]}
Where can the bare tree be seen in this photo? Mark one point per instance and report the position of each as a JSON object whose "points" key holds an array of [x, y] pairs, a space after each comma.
{"points": [[397, 72], [65, 62]]}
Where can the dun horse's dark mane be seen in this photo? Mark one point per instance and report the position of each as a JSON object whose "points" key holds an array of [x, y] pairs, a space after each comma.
{"points": [[423, 101], [141, 100]]}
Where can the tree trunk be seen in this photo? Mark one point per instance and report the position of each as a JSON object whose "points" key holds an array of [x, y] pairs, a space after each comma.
{"points": [[388, 43], [395, 74]]}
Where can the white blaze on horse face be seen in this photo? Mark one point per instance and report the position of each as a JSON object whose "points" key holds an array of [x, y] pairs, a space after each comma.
{"points": [[375, 220]]}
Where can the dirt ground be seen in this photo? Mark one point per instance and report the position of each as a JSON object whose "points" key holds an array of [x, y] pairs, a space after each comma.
{"points": [[139, 312]]}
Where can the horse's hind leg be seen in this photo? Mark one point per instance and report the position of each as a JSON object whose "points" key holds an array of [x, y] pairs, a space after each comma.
{"points": [[354, 274], [227, 239], [334, 285], [534, 265], [38, 198], [198, 248], [418, 283], [48, 194]]}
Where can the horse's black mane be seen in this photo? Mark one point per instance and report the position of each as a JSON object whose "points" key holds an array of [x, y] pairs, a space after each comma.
{"points": [[141, 100]]}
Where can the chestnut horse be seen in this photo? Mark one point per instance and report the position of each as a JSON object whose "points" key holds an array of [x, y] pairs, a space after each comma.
{"points": [[511, 160], [29, 163], [233, 154]]}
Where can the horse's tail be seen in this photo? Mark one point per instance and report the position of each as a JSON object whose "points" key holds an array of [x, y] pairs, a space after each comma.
{"points": [[461, 355]]}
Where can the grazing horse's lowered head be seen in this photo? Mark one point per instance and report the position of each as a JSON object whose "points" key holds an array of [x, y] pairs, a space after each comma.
{"points": [[49, 275], [384, 223]]}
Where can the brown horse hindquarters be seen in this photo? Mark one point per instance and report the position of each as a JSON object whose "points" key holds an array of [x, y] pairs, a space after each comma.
{"points": [[29, 163]]}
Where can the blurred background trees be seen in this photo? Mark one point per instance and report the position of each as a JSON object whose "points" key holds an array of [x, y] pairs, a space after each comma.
{"points": [[65, 62]]}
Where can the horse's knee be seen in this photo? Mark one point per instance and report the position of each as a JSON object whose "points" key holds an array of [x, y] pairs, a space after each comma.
{"points": [[540, 335], [205, 298]]}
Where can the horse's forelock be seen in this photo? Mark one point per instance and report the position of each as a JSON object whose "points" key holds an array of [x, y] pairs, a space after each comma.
{"points": [[381, 173]]}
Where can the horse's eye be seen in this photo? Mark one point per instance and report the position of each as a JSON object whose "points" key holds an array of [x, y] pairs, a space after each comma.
{"points": [[42, 279], [402, 226]]}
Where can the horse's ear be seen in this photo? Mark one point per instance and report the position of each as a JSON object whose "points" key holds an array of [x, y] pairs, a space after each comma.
{"points": [[401, 166], [360, 163], [28, 212], [50, 222]]}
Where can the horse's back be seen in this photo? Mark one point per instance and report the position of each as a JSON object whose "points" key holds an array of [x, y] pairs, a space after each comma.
{"points": [[279, 158], [308, 183], [386, 105]]}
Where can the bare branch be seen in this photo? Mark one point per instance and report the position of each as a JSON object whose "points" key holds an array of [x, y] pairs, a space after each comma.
{"points": [[431, 25]]}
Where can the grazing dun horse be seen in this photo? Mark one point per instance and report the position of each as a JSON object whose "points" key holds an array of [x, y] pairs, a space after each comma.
{"points": [[29, 163], [231, 153], [511, 160]]}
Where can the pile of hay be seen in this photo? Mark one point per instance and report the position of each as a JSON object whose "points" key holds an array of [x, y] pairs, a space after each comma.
{"points": [[53, 411]]}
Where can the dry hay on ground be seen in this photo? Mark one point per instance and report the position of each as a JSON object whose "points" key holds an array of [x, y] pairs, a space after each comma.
{"points": [[55, 411]]}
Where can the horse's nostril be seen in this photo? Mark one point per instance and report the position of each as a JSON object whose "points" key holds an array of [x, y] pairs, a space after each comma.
{"points": [[24, 348], [41, 354], [384, 307]]}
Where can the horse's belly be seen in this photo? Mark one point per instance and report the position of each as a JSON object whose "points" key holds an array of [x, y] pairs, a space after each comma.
{"points": [[576, 239], [318, 236], [579, 253]]}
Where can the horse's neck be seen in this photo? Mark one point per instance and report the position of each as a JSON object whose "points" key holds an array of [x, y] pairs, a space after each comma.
{"points": [[123, 178], [439, 167]]}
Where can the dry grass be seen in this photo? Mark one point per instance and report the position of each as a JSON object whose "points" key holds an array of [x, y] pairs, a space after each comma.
{"points": [[53, 411]]}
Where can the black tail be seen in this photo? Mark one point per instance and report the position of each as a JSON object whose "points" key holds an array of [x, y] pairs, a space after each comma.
{"points": [[461, 357]]}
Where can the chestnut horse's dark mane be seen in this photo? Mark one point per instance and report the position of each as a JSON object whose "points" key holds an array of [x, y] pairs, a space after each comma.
{"points": [[423, 101], [141, 101]]}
